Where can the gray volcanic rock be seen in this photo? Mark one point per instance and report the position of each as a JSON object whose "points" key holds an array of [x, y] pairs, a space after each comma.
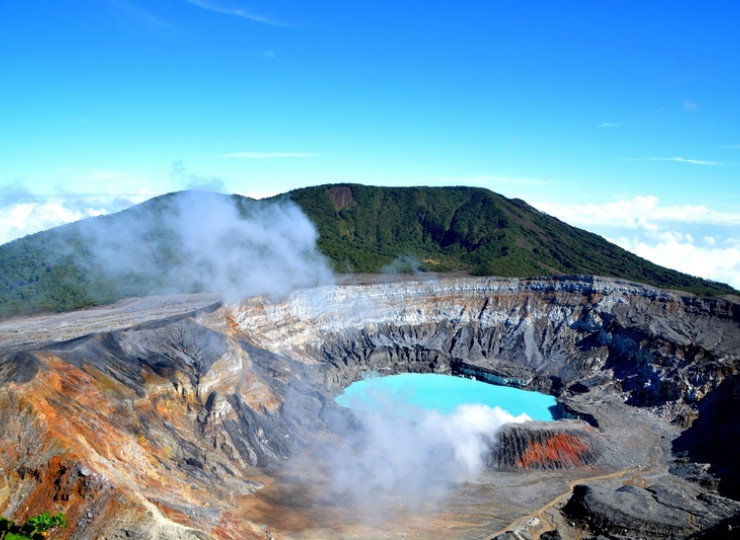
{"points": [[669, 509], [715, 429], [658, 347], [176, 418]]}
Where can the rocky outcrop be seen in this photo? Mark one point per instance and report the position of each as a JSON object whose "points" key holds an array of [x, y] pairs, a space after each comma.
{"points": [[714, 428], [535, 445], [668, 509], [173, 418], [172, 414]]}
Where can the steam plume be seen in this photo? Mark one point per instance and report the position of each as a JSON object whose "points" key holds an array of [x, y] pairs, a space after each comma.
{"points": [[412, 453], [200, 241]]}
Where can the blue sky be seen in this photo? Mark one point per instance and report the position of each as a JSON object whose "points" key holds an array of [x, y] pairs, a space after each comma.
{"points": [[618, 117]]}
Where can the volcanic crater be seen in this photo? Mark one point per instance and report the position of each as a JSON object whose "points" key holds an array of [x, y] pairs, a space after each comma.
{"points": [[184, 417]]}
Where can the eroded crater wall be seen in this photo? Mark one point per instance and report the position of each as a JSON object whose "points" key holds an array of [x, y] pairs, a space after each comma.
{"points": [[659, 348], [183, 413]]}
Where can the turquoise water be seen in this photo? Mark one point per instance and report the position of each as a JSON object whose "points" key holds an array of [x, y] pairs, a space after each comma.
{"points": [[442, 393]]}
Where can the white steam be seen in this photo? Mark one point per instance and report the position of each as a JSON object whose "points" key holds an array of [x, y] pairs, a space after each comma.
{"points": [[272, 251], [414, 454], [403, 264], [202, 242]]}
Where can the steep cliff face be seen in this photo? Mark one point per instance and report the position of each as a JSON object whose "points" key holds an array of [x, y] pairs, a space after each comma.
{"points": [[179, 426], [659, 348]]}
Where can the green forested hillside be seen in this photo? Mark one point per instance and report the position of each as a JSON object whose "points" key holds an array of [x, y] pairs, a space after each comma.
{"points": [[365, 228], [361, 229], [55, 270]]}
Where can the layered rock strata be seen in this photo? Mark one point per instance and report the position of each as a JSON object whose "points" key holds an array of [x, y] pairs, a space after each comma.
{"points": [[173, 428], [536, 445]]}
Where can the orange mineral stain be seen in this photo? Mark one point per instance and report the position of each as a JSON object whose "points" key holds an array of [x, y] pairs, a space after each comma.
{"points": [[558, 448]]}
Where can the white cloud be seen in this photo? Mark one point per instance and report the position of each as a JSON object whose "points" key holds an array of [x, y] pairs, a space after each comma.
{"points": [[22, 218], [258, 194], [237, 12], [678, 251], [684, 160], [74, 194], [27, 218], [645, 227], [690, 105], [270, 155], [642, 211]]}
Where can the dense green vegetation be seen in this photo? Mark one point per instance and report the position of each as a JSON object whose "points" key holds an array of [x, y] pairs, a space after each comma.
{"points": [[54, 270], [361, 229], [35, 528]]}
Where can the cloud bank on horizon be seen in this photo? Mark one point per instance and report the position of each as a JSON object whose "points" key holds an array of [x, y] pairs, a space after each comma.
{"points": [[689, 238]]}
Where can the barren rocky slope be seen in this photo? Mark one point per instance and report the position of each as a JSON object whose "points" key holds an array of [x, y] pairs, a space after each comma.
{"points": [[186, 418]]}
